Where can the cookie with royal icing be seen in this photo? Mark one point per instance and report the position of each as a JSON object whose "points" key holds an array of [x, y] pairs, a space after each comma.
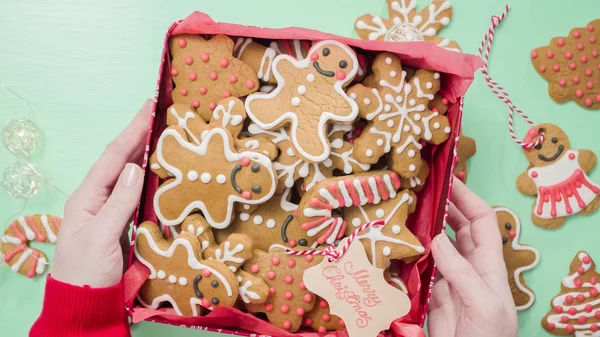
{"points": [[575, 310], [320, 318], [205, 72], [398, 115], [308, 98], [209, 177], [465, 150], [518, 258], [406, 24], [571, 66], [557, 175], [15, 250]]}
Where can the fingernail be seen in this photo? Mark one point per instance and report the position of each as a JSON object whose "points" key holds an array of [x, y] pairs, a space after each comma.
{"points": [[443, 243], [130, 174]]}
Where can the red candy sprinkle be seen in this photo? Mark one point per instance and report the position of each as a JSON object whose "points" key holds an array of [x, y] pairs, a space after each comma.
{"points": [[245, 161], [597, 313], [269, 307], [302, 286], [202, 90], [592, 40], [588, 101], [569, 299], [288, 295], [224, 63], [300, 312], [598, 98], [534, 174], [275, 261], [174, 72], [580, 46], [291, 263], [569, 328], [232, 79], [196, 103], [551, 326], [588, 72], [445, 101], [572, 156], [307, 298], [193, 76], [323, 304], [284, 308], [287, 325], [205, 303], [572, 66], [271, 275], [182, 43], [292, 243], [308, 258], [183, 92], [213, 75], [189, 60], [590, 85], [206, 273], [590, 28], [250, 84], [593, 292], [288, 279], [212, 105], [271, 291], [579, 93], [542, 68], [325, 317], [588, 308], [581, 297], [564, 319], [583, 59], [572, 311], [560, 42], [577, 281], [580, 270], [594, 327], [562, 83], [594, 53], [321, 329], [308, 321], [569, 55], [576, 79], [255, 268], [205, 57], [558, 309], [341, 322], [226, 93], [577, 34], [550, 54], [534, 54]]}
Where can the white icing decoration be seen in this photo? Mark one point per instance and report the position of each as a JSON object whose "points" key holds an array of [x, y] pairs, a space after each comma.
{"points": [[172, 279], [390, 123], [29, 234], [388, 60], [271, 223], [227, 117], [11, 239], [412, 168], [285, 204], [369, 153], [428, 85], [310, 78], [222, 179], [395, 279], [396, 229], [49, 233], [387, 251], [411, 153], [353, 95], [244, 216], [192, 175], [436, 75], [367, 101], [245, 293], [356, 222], [406, 128], [15, 267], [447, 129], [228, 254], [416, 116], [290, 152], [252, 144], [302, 89], [205, 177], [183, 281], [155, 166], [295, 101], [41, 266], [380, 213], [436, 125], [266, 62], [277, 136], [257, 220], [393, 74], [161, 274], [379, 142]]}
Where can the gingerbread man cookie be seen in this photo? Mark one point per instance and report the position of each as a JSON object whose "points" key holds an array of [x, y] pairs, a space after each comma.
{"points": [[309, 96], [288, 299], [405, 24], [392, 276], [179, 275], [230, 177], [571, 65], [576, 311], [557, 175], [205, 71], [398, 115], [518, 258], [15, 250], [465, 150]]}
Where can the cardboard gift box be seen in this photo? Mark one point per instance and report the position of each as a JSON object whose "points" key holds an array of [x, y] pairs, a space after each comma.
{"points": [[457, 72]]}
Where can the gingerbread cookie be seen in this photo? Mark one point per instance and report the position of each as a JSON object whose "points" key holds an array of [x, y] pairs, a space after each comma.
{"points": [[205, 72], [398, 116], [392, 240], [244, 177], [321, 319], [518, 258], [405, 24], [288, 299], [575, 310], [309, 96], [571, 66], [179, 275], [15, 250], [557, 175], [393, 278], [465, 150]]}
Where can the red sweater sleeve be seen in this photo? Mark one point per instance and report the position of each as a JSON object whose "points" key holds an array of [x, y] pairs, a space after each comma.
{"points": [[70, 311]]}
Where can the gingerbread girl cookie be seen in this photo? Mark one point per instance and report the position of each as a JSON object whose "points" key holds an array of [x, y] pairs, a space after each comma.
{"points": [[557, 175], [518, 258], [309, 96], [15, 250], [576, 310], [405, 24], [230, 177], [205, 71], [398, 115]]}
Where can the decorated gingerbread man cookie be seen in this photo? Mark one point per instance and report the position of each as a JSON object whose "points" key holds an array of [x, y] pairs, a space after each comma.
{"points": [[465, 150], [15, 250], [398, 115], [518, 258], [309, 96], [179, 275], [205, 72], [557, 175], [229, 176], [288, 299], [321, 319], [405, 24]]}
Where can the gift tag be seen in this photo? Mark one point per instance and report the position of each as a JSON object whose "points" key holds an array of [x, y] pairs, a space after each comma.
{"points": [[357, 292]]}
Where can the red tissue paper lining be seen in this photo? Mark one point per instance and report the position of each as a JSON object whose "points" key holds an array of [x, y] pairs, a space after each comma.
{"points": [[457, 72]]}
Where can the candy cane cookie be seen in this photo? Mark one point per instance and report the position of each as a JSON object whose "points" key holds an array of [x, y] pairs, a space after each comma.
{"points": [[15, 250]]}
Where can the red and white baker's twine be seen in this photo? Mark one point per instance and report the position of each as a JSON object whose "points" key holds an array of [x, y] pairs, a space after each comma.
{"points": [[332, 252], [497, 89]]}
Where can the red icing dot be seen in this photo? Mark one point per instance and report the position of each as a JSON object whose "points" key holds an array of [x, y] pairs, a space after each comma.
{"points": [[461, 175], [291, 263], [569, 55], [288, 279], [308, 258], [594, 327], [255, 268], [275, 260], [341, 322], [580, 270], [321, 329], [556, 67], [326, 317], [202, 90], [323, 304], [181, 43], [594, 53], [205, 303], [550, 54], [308, 321], [307, 298], [196, 103], [183, 92], [572, 66], [564, 319], [212, 105], [590, 28], [174, 72], [588, 101], [580, 46], [189, 60], [583, 59], [292, 243], [224, 63], [572, 311], [588, 72], [271, 275], [534, 54], [578, 282], [271, 291], [597, 313], [576, 79], [232, 79], [560, 42], [551, 326], [213, 75], [592, 39], [193, 76], [598, 98], [284, 308], [562, 82], [534, 174], [250, 84], [579, 93], [445, 101], [434, 109], [543, 68], [288, 295], [593, 292], [558, 309], [245, 161], [206, 273], [302, 286], [588, 308], [269, 307], [300, 312], [581, 297], [569, 328], [569, 299], [577, 34], [205, 57], [226, 93]]}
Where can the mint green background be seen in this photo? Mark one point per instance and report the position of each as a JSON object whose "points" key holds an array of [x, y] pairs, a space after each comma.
{"points": [[87, 66]]}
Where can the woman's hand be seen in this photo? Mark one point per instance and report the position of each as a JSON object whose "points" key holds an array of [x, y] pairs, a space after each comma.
{"points": [[472, 298], [88, 251]]}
